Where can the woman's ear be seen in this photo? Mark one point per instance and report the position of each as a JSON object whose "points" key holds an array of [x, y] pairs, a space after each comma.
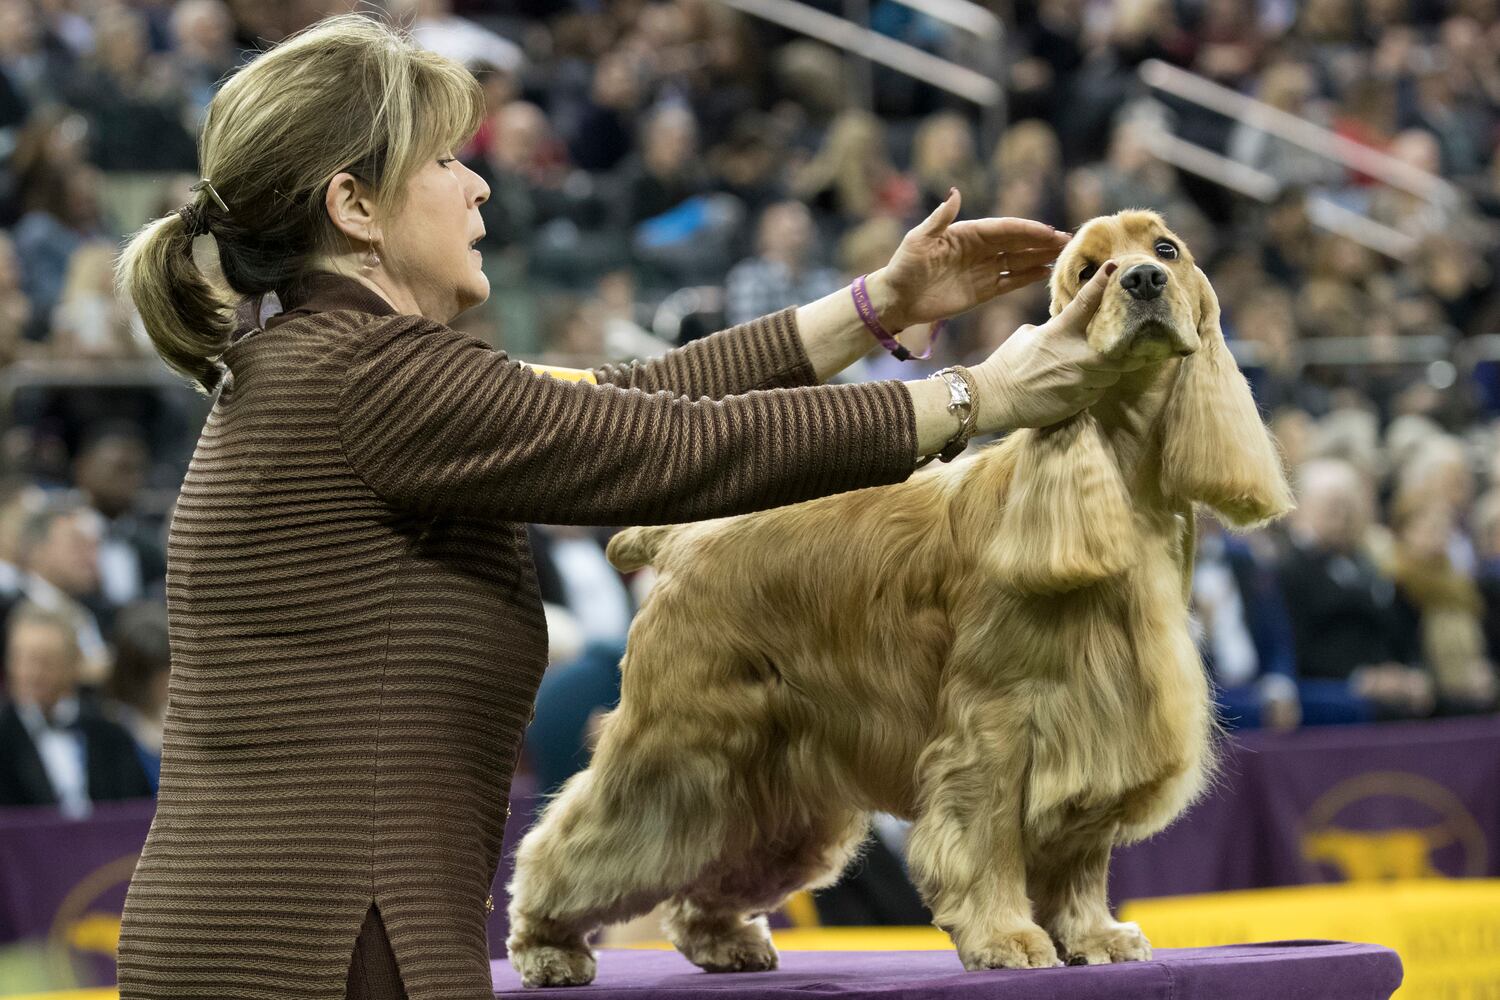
{"points": [[1215, 449], [1065, 520]]}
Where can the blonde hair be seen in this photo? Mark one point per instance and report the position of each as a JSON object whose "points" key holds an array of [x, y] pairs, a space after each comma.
{"points": [[852, 157], [349, 93]]}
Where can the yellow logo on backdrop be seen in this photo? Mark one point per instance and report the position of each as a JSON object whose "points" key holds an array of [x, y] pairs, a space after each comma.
{"points": [[1412, 827], [85, 929]]}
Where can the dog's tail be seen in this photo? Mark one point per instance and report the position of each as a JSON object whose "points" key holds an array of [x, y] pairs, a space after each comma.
{"points": [[636, 547]]}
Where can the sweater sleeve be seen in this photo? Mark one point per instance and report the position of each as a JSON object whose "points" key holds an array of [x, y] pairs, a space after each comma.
{"points": [[436, 422], [765, 353]]}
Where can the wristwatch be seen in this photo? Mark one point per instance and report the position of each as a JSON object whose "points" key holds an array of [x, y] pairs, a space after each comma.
{"points": [[963, 404]]}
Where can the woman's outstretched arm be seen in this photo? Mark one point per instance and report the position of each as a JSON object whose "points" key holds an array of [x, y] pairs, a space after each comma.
{"points": [[436, 422]]}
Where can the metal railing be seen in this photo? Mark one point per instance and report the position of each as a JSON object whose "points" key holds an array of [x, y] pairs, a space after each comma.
{"points": [[1243, 179], [858, 40], [1461, 356], [1299, 132], [1324, 212]]}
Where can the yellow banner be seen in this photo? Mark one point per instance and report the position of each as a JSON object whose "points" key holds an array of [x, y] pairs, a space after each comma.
{"points": [[1447, 931], [566, 374]]}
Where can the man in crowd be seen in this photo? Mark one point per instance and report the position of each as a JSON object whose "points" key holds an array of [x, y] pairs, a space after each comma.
{"points": [[55, 747]]}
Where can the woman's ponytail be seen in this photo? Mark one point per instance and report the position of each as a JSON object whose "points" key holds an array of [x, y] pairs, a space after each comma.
{"points": [[189, 323]]}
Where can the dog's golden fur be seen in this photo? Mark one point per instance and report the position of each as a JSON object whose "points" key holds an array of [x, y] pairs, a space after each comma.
{"points": [[997, 649]]}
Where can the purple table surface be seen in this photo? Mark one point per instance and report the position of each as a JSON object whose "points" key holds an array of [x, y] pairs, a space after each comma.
{"points": [[1279, 970]]}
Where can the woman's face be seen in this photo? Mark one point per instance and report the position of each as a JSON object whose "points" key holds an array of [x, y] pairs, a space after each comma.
{"points": [[425, 255]]}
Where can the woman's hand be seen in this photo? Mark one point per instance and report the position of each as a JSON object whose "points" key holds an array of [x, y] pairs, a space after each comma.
{"points": [[943, 268], [1044, 374]]}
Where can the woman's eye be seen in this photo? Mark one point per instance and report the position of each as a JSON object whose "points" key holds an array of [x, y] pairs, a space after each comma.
{"points": [[1087, 272], [445, 162], [1166, 250]]}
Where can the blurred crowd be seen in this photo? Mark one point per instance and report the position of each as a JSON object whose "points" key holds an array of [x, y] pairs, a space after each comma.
{"points": [[661, 168]]}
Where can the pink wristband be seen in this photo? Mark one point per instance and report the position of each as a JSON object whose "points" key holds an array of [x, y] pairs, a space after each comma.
{"points": [[866, 311]]}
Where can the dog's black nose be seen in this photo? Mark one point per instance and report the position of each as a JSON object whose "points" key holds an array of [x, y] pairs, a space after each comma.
{"points": [[1144, 281]]}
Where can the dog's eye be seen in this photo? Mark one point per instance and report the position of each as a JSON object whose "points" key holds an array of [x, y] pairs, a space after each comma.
{"points": [[1166, 250], [1087, 272]]}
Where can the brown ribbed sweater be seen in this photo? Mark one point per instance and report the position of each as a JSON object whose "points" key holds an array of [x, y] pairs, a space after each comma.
{"points": [[355, 628]]}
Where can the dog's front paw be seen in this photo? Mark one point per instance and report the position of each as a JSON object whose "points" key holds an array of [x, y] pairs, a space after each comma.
{"points": [[1111, 942], [1023, 948], [545, 965]]}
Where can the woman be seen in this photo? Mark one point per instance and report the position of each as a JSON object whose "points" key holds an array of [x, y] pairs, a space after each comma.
{"points": [[1441, 605], [355, 631]]}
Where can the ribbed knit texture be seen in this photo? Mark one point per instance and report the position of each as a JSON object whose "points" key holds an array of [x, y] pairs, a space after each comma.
{"points": [[356, 633]]}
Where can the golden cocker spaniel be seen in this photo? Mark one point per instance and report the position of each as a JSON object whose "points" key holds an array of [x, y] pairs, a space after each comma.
{"points": [[997, 649]]}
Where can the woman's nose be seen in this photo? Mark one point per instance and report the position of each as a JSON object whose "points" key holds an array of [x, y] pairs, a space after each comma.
{"points": [[482, 192]]}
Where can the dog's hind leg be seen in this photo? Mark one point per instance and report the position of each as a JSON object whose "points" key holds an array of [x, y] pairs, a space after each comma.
{"points": [[719, 925], [618, 839]]}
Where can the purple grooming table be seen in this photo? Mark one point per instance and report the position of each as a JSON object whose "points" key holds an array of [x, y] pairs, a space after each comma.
{"points": [[1281, 970]]}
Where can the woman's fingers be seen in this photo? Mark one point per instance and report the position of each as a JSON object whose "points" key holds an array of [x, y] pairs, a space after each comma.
{"points": [[942, 216], [1007, 281], [1076, 315], [1006, 233], [1024, 257]]}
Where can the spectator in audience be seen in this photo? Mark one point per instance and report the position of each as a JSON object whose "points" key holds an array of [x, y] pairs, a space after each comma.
{"points": [[437, 28], [56, 749], [602, 138], [204, 54], [1266, 319], [58, 553], [34, 62], [577, 688], [943, 157], [500, 88], [786, 269], [1487, 546], [19, 498], [137, 686], [667, 171], [67, 216], [134, 97], [15, 308], [110, 471], [852, 177], [89, 323], [1438, 473], [530, 180], [1132, 176], [1442, 605], [1244, 633], [624, 336], [1357, 658], [749, 162], [53, 138], [1028, 162]]}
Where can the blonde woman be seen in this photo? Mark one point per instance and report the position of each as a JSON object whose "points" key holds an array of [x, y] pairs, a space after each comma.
{"points": [[852, 174], [90, 322], [943, 158], [356, 635]]}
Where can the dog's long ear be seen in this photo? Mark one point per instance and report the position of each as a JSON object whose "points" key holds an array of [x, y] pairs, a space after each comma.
{"points": [[1215, 449], [1065, 521]]}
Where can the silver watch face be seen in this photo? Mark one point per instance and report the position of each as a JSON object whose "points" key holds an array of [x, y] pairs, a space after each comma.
{"points": [[957, 386]]}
